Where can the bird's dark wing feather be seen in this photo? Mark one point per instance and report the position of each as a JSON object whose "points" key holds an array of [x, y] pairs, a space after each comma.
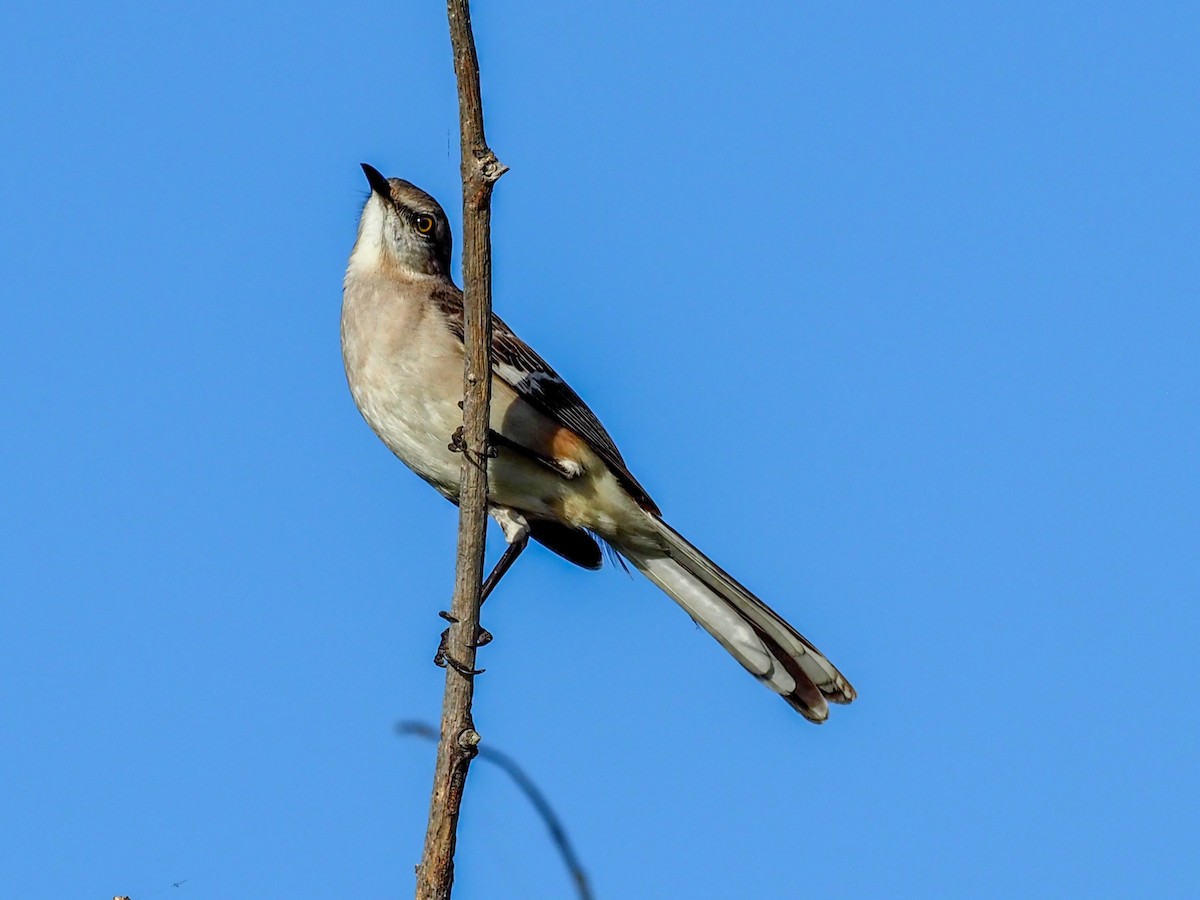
{"points": [[572, 544], [518, 365]]}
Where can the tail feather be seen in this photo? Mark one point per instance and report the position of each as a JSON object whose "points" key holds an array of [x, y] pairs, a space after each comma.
{"points": [[767, 646]]}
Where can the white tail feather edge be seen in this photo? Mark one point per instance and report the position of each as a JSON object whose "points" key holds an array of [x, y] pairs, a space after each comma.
{"points": [[757, 637]]}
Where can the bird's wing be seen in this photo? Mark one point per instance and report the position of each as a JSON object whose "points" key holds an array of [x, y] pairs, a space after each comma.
{"points": [[516, 363]]}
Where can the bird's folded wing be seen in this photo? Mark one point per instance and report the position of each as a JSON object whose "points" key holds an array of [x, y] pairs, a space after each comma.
{"points": [[531, 377]]}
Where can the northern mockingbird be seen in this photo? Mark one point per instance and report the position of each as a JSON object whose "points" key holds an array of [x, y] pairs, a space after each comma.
{"points": [[557, 475]]}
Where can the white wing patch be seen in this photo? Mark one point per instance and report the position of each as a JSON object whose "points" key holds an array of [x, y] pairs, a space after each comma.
{"points": [[527, 381]]}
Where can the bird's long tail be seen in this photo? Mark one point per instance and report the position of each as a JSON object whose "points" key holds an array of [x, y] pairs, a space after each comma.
{"points": [[770, 649]]}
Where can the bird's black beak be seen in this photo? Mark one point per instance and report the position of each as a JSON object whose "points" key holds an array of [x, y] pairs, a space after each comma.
{"points": [[378, 183]]}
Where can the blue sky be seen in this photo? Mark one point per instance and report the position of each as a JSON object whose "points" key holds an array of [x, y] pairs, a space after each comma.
{"points": [[893, 311]]}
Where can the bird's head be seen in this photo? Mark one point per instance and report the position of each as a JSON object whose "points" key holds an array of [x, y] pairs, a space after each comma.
{"points": [[401, 228]]}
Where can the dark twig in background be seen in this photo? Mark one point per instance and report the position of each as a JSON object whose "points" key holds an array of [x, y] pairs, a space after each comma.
{"points": [[557, 832], [459, 741]]}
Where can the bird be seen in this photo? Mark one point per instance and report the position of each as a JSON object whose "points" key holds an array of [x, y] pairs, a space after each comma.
{"points": [[555, 475]]}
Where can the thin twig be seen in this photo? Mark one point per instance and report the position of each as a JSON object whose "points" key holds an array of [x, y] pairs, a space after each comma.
{"points": [[459, 741], [557, 832]]}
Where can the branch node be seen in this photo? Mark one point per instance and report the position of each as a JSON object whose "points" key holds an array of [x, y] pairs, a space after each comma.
{"points": [[468, 739], [487, 165]]}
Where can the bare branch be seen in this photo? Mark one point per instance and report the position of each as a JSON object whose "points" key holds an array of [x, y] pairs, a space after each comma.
{"points": [[458, 742], [557, 832]]}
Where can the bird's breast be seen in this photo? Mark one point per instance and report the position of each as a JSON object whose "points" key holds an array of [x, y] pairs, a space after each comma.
{"points": [[404, 368]]}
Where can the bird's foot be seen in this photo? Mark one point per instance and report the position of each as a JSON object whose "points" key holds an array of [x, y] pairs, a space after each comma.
{"points": [[482, 636], [443, 658], [458, 444]]}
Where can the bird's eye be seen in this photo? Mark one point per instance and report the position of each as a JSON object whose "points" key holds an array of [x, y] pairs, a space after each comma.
{"points": [[424, 224]]}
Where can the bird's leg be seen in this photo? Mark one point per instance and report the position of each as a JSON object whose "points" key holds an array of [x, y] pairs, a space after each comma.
{"points": [[516, 532], [503, 565]]}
